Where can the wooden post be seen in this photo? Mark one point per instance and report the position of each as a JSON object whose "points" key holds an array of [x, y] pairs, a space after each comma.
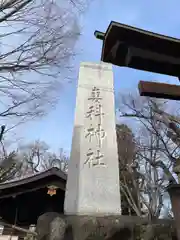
{"points": [[159, 90], [174, 192]]}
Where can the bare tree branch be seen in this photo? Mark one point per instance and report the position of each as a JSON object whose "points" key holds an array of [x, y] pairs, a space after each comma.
{"points": [[34, 64], [157, 147]]}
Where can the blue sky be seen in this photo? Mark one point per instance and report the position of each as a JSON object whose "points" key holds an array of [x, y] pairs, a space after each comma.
{"points": [[161, 16]]}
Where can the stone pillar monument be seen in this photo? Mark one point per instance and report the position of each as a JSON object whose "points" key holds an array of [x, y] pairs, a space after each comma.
{"points": [[93, 174], [92, 200]]}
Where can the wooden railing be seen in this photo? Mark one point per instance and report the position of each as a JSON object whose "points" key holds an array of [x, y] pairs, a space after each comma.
{"points": [[9, 233]]}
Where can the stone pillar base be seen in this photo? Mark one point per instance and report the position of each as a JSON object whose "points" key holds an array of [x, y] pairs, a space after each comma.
{"points": [[174, 192], [53, 226]]}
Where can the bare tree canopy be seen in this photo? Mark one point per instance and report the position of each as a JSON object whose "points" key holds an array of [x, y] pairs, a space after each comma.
{"points": [[36, 44], [37, 157], [156, 139], [29, 159]]}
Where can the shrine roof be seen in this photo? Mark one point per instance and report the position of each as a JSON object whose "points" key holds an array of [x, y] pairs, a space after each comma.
{"points": [[132, 47], [35, 181]]}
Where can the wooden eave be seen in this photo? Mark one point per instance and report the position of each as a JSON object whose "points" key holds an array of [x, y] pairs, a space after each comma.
{"points": [[32, 183], [140, 49]]}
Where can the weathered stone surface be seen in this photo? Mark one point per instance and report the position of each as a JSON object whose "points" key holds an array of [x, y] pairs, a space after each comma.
{"points": [[51, 226], [90, 227], [95, 228], [93, 175]]}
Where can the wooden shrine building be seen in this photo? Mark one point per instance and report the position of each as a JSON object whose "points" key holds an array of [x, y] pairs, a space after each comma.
{"points": [[23, 201]]}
